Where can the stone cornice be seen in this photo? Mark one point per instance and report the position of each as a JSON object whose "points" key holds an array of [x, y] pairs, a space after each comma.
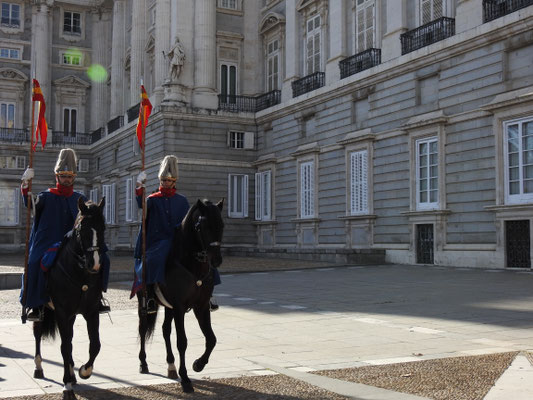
{"points": [[510, 99], [427, 119], [358, 136], [13, 75], [72, 81]]}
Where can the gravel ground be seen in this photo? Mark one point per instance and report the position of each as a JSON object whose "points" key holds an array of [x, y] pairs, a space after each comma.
{"points": [[458, 378]]}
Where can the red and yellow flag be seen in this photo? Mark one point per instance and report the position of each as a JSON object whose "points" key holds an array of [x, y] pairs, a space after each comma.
{"points": [[42, 127], [144, 112]]}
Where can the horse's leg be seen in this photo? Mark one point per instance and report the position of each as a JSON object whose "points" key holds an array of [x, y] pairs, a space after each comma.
{"points": [[93, 328], [167, 329], [204, 320], [37, 334], [143, 328], [66, 331], [179, 321]]}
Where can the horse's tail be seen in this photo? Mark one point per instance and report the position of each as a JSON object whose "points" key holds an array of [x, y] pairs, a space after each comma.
{"points": [[150, 324], [49, 324]]}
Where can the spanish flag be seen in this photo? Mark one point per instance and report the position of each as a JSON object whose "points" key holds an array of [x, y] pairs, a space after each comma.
{"points": [[144, 112], [41, 128]]}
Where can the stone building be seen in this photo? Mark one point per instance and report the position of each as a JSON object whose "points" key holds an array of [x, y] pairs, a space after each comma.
{"points": [[347, 130]]}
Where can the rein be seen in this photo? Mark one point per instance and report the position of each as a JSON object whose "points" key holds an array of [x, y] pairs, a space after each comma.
{"points": [[202, 256]]}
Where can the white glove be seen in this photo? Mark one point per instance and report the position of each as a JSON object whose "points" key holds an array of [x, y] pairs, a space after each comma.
{"points": [[27, 176], [141, 178]]}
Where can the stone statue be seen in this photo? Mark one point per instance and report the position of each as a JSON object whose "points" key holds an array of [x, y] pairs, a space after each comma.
{"points": [[176, 56]]}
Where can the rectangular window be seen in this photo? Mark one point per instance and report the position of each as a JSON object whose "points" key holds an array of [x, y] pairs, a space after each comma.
{"points": [[313, 45], [427, 174], [231, 4], [71, 59], [228, 82], [72, 23], [12, 162], [93, 195], [7, 115], [9, 206], [109, 209], [431, 10], [83, 165], [307, 189], [238, 196], [13, 54], [236, 140], [11, 15], [364, 25], [263, 203], [359, 182], [273, 65], [130, 202], [519, 160], [69, 121]]}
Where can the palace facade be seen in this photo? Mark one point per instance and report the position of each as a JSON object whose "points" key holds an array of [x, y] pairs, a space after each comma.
{"points": [[342, 130]]}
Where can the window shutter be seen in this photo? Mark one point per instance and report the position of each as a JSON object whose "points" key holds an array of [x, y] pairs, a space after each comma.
{"points": [[425, 11], [267, 203], [360, 29], [113, 208], [309, 55], [369, 11], [245, 196], [129, 199], [359, 182], [249, 140], [258, 195], [438, 8], [21, 162], [16, 202], [230, 197]]}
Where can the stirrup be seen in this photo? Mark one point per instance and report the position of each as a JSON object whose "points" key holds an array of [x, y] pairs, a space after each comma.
{"points": [[151, 306], [36, 314], [213, 306], [104, 306]]}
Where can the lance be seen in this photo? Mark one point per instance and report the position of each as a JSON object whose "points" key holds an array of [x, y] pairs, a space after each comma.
{"points": [[28, 217], [143, 227]]}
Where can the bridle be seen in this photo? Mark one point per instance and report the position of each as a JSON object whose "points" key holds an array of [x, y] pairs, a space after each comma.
{"points": [[93, 248], [202, 256]]}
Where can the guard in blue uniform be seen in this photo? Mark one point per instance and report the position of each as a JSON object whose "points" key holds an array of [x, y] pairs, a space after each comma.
{"points": [[55, 211], [165, 210]]}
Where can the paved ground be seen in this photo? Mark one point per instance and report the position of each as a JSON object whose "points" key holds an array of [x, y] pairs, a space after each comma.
{"points": [[298, 321]]}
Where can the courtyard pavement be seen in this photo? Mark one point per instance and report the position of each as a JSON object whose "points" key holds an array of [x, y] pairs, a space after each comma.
{"points": [[301, 320]]}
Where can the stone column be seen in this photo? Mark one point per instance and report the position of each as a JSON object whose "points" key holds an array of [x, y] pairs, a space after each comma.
{"points": [[252, 50], [117, 59], [162, 46], [138, 33], [204, 92], [41, 56], [292, 50], [337, 39], [99, 94], [396, 12]]}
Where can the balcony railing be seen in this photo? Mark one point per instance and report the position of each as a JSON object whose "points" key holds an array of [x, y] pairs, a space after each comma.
{"points": [[115, 124], [236, 103], [308, 83], [359, 62], [70, 139], [267, 100], [96, 135], [13, 135], [427, 34], [133, 112], [493, 9]]}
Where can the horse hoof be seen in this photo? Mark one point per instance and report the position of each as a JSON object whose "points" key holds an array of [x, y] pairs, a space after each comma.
{"points": [[143, 369], [172, 374], [198, 366], [69, 395], [38, 374], [85, 373], [187, 387]]}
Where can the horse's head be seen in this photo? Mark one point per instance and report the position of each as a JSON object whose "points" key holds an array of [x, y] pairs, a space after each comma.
{"points": [[89, 229], [206, 218]]}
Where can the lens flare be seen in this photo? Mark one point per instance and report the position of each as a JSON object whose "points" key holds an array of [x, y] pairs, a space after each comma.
{"points": [[97, 73]]}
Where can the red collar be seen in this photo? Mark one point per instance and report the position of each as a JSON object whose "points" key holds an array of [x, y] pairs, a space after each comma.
{"points": [[164, 192], [61, 190]]}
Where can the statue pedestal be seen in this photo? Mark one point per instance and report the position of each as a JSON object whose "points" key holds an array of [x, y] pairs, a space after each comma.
{"points": [[174, 94]]}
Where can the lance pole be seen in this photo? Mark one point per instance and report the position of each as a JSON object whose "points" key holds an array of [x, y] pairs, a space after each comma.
{"points": [[29, 201], [143, 228]]}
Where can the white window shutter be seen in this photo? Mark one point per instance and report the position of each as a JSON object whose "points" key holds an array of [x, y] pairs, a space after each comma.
{"points": [[249, 140], [129, 199], [16, 203], [245, 196], [113, 208], [230, 197], [267, 202], [21, 162], [425, 11], [311, 189], [258, 196]]}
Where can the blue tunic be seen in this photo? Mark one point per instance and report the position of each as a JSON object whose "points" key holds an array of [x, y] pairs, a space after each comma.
{"points": [[163, 215], [54, 217]]}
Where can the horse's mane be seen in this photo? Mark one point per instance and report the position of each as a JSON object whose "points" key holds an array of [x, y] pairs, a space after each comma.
{"points": [[93, 209]]}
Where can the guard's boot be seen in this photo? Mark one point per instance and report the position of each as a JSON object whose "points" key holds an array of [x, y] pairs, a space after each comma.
{"points": [[36, 314], [213, 306]]}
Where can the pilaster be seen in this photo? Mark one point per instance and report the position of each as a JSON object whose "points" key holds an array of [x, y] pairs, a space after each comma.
{"points": [[292, 55], [337, 39], [41, 45], [162, 46], [396, 24], [117, 58], [138, 32], [99, 94]]}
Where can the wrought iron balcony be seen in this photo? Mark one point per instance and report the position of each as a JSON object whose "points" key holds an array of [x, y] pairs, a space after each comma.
{"points": [[267, 100], [493, 9], [70, 138], [359, 62], [308, 83], [96, 135], [236, 103], [115, 124], [427, 34], [13, 135], [133, 112]]}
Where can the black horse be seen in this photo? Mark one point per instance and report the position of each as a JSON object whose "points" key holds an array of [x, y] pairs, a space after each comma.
{"points": [[189, 268], [75, 286]]}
